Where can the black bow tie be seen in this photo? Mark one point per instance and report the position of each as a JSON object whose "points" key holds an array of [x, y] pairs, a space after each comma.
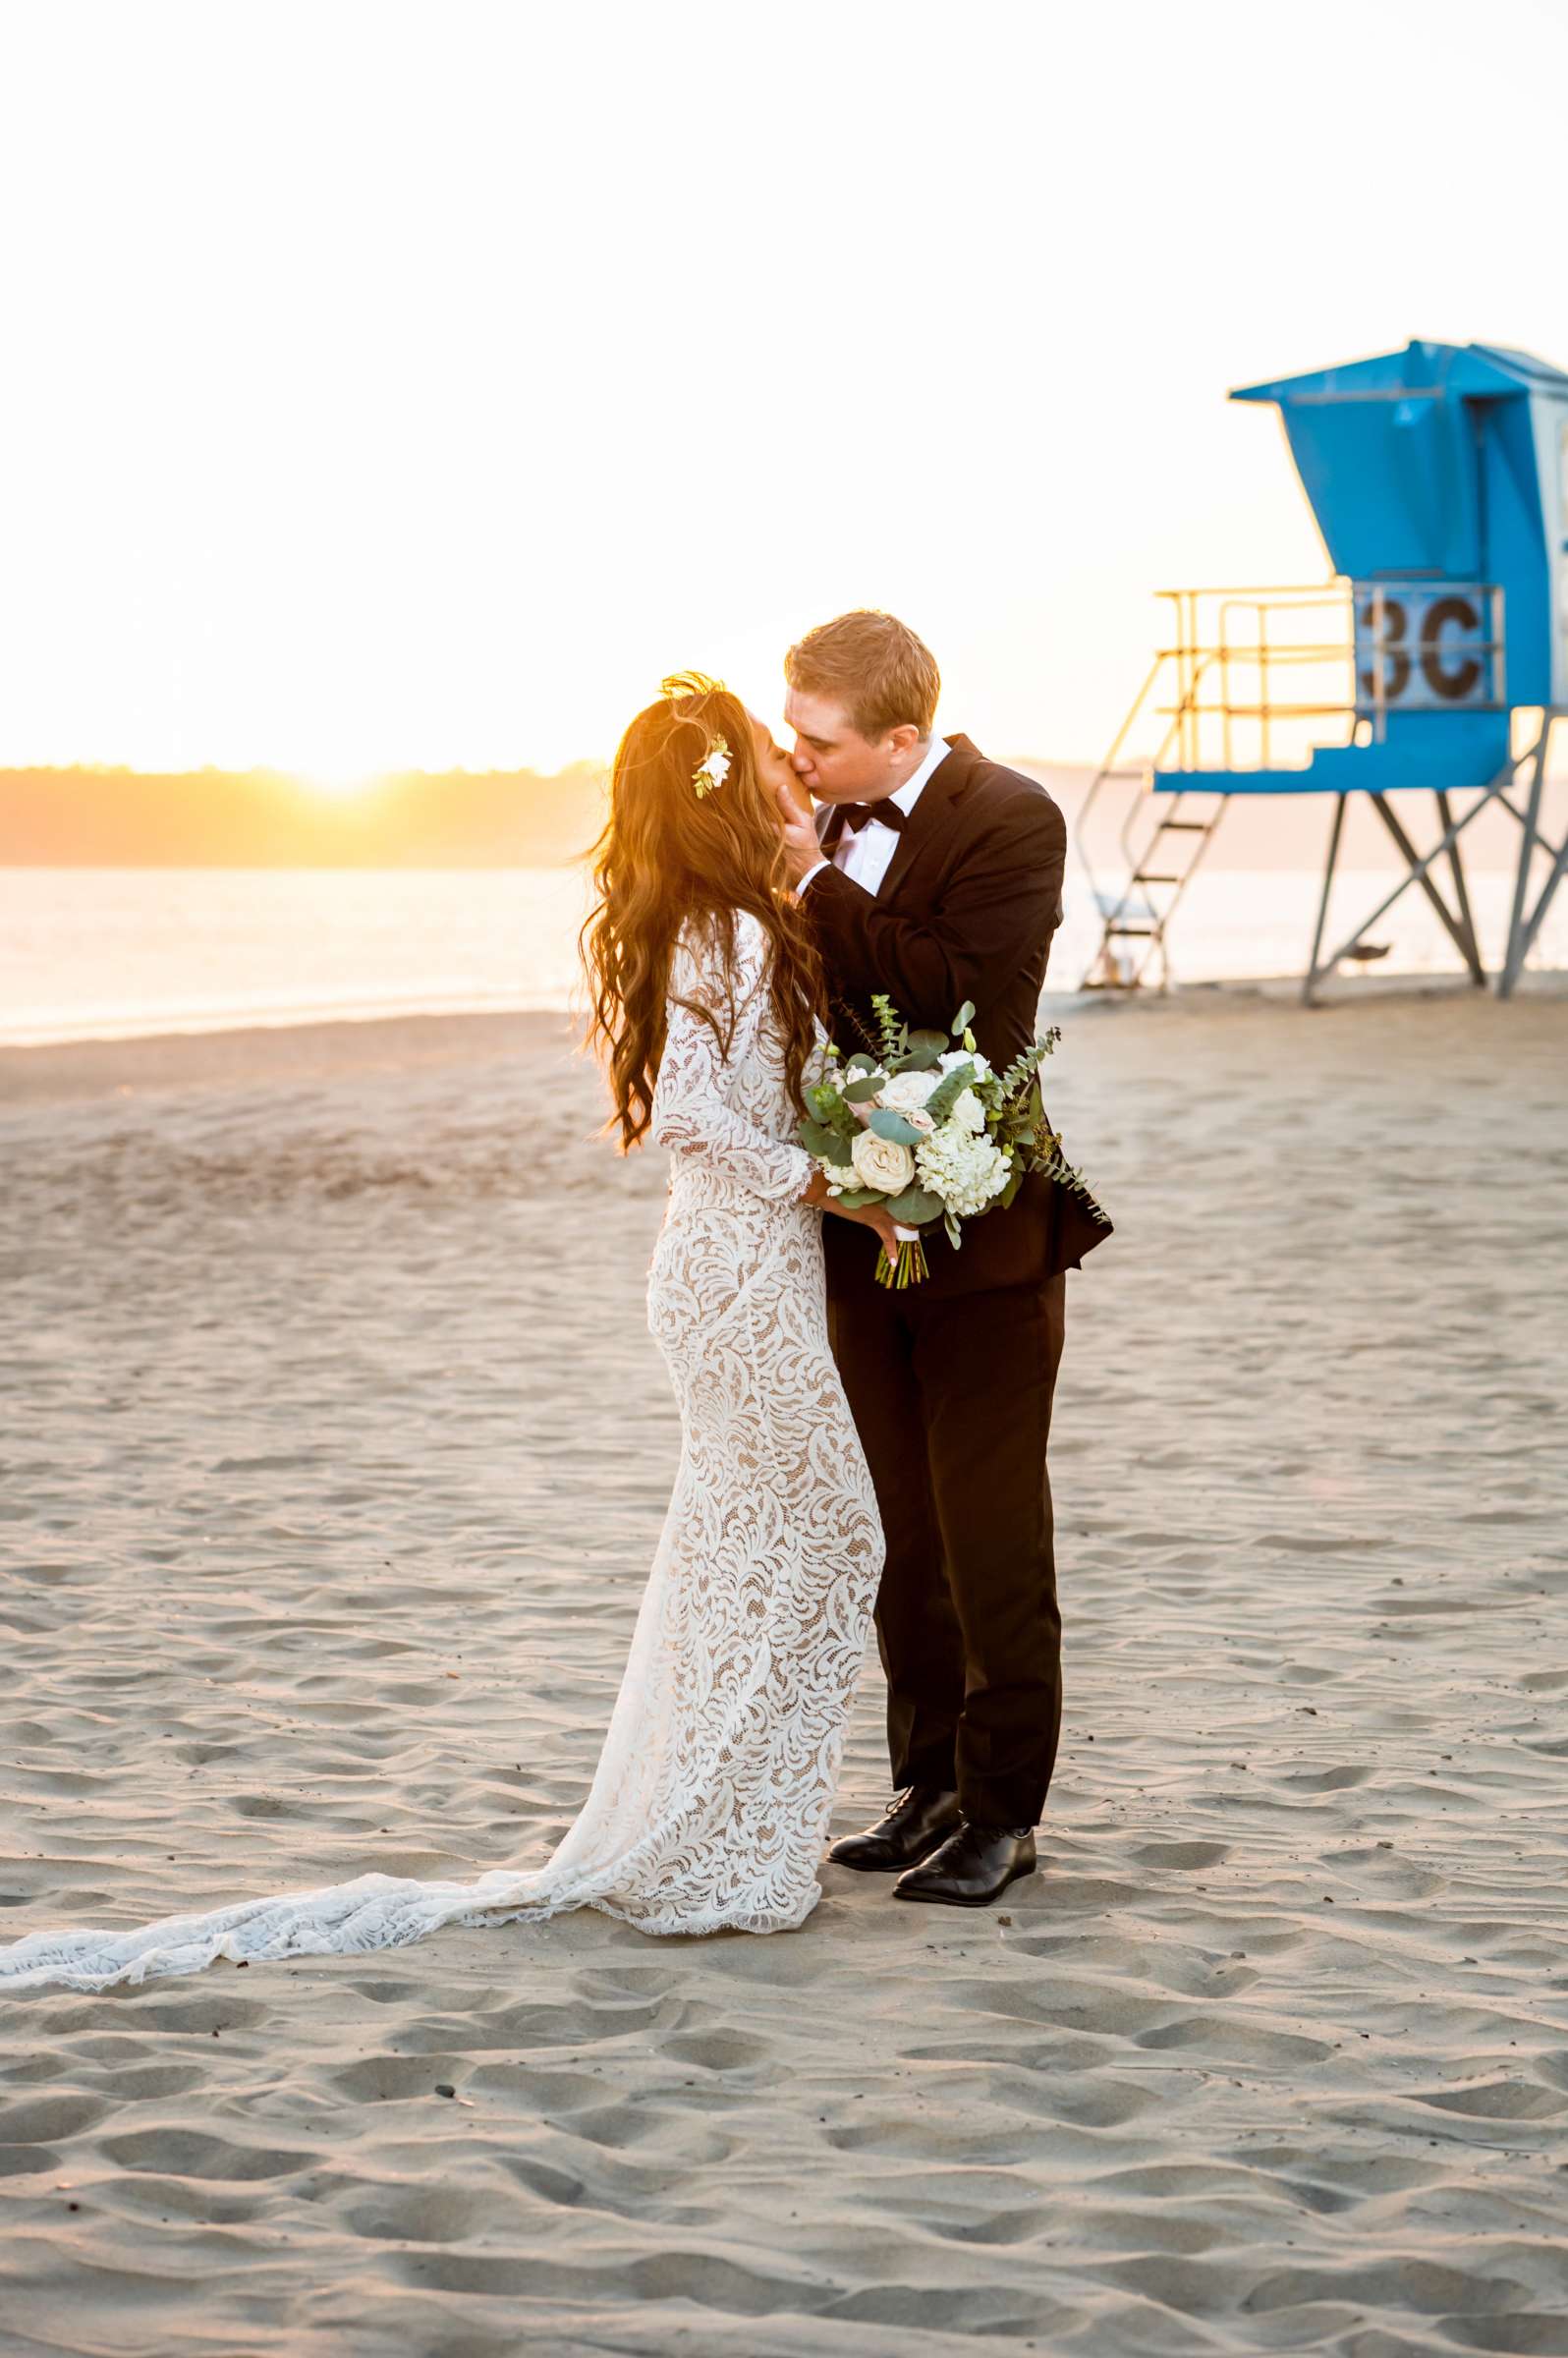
{"points": [[856, 815]]}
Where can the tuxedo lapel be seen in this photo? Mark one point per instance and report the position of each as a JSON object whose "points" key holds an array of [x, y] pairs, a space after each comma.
{"points": [[931, 815]]}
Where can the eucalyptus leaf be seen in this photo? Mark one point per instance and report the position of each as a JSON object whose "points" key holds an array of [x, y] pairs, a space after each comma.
{"points": [[861, 1091], [914, 1060], [937, 1041], [945, 1096], [818, 1139], [887, 1023], [964, 1018], [888, 1124], [861, 1062], [1021, 1071], [1015, 1180], [856, 1198], [915, 1206], [955, 1235]]}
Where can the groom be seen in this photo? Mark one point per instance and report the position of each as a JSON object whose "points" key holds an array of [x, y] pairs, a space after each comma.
{"points": [[936, 875]]}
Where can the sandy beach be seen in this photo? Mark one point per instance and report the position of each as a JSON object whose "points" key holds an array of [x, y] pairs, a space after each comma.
{"points": [[334, 1452]]}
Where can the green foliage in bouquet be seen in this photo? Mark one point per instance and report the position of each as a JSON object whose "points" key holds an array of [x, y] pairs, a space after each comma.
{"points": [[945, 1096], [1055, 1165], [1022, 1128], [889, 1024], [955, 1163]]}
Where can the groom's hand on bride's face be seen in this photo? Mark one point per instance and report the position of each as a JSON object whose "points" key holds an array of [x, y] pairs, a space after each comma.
{"points": [[801, 851], [779, 779]]}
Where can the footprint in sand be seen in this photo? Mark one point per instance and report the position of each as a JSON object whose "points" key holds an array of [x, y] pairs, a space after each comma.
{"points": [[393, 2079], [41, 2119], [435, 2215], [1497, 2099], [1323, 1780], [718, 2051], [1181, 1854], [191, 2153], [192, 2017]]}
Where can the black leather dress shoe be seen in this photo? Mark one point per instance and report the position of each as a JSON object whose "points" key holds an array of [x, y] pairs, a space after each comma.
{"points": [[974, 1867], [917, 1823]]}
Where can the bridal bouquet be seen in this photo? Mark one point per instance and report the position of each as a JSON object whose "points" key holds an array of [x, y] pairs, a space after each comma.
{"points": [[929, 1129]]}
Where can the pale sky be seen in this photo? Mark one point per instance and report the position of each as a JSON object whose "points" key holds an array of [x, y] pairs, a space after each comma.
{"points": [[391, 384]]}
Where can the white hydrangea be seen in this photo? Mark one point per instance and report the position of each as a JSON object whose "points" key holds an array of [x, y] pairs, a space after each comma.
{"points": [[907, 1091], [966, 1171]]}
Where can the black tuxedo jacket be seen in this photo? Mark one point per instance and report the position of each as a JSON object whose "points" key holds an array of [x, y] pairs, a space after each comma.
{"points": [[966, 911]]}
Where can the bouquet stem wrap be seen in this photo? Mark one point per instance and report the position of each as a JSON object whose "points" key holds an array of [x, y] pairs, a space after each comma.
{"points": [[909, 1267]]}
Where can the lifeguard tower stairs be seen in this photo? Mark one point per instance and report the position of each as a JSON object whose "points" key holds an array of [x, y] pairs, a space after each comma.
{"points": [[1433, 661]]}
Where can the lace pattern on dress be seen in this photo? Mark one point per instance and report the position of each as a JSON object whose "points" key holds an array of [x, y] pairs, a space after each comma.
{"points": [[712, 1791]]}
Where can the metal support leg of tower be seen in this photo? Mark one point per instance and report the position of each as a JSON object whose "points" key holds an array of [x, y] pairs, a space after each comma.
{"points": [[1521, 928], [1417, 873], [1314, 970], [1461, 936], [1456, 867]]}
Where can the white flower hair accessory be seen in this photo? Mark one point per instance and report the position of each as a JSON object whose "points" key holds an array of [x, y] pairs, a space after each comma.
{"points": [[714, 770]]}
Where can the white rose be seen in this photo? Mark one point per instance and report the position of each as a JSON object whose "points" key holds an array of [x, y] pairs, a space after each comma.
{"points": [[882, 1162], [968, 1112], [953, 1057], [917, 1118], [907, 1091]]}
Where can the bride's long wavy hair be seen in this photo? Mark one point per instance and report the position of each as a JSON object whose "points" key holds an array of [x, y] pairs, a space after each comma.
{"points": [[669, 855]]}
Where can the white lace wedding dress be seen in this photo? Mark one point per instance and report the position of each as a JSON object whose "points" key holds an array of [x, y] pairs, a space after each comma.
{"points": [[710, 1801]]}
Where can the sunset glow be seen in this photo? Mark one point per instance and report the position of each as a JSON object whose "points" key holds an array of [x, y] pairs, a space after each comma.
{"points": [[436, 381], [340, 783]]}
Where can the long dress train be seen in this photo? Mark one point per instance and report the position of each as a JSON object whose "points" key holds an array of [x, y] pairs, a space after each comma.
{"points": [[710, 1801]]}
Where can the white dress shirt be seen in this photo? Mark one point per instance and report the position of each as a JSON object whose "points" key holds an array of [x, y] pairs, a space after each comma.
{"points": [[866, 856]]}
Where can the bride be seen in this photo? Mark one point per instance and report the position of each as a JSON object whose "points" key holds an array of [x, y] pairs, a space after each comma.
{"points": [[710, 1801]]}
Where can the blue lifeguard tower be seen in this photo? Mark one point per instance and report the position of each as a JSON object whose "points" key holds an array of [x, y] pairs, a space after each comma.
{"points": [[1435, 660]]}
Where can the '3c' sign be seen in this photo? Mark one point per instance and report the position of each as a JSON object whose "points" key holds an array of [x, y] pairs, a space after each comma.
{"points": [[1423, 646]]}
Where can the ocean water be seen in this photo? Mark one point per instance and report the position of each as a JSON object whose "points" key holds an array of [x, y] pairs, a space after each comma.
{"points": [[110, 953], [107, 953]]}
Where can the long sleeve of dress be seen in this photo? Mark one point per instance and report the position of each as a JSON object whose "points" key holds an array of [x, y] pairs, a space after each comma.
{"points": [[694, 1101]]}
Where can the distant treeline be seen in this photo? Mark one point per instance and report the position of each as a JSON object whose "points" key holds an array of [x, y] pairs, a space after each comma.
{"points": [[262, 818]]}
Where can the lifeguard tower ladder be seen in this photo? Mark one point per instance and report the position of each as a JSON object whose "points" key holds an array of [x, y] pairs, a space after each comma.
{"points": [[1437, 660]]}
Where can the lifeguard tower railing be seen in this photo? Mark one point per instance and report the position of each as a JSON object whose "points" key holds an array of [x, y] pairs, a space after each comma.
{"points": [[1248, 685]]}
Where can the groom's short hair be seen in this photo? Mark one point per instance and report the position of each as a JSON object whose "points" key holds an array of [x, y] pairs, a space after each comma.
{"points": [[883, 675]]}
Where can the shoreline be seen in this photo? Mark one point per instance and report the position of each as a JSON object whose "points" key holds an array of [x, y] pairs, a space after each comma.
{"points": [[250, 1046], [318, 1049], [195, 1023]]}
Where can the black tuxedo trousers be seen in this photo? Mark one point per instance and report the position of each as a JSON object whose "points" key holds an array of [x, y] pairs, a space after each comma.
{"points": [[950, 1382], [951, 1394]]}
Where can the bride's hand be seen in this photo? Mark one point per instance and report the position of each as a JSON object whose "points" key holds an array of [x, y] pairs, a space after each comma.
{"points": [[869, 1215]]}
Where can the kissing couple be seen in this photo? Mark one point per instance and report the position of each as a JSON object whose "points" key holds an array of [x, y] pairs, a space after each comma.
{"points": [[848, 1451]]}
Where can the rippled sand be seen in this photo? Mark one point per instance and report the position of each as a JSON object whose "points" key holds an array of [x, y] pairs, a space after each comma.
{"points": [[334, 1452]]}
